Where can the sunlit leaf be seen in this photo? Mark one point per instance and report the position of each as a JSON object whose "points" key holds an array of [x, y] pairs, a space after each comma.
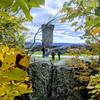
{"points": [[24, 61], [22, 87], [92, 3], [89, 21], [15, 6], [1, 56], [2, 90], [35, 3], [98, 86], [95, 31], [9, 61], [16, 74]]}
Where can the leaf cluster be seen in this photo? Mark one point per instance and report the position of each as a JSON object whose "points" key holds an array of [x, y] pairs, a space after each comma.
{"points": [[94, 87], [82, 9], [11, 29], [24, 5], [14, 79]]}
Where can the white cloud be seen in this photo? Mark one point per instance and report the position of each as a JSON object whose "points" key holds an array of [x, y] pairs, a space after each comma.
{"points": [[63, 32], [68, 39]]}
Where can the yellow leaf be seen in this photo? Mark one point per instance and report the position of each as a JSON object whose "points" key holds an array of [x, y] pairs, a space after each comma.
{"points": [[96, 31], [11, 51], [3, 79], [63, 19], [24, 88], [25, 61], [1, 56], [19, 52], [9, 61], [5, 49], [2, 90], [6, 97], [27, 78], [12, 78]]}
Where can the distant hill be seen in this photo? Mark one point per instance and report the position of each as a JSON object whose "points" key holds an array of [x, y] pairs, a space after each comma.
{"points": [[28, 44], [67, 44]]}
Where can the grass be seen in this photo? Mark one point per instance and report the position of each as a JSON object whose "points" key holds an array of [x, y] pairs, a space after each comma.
{"points": [[65, 54], [39, 55]]}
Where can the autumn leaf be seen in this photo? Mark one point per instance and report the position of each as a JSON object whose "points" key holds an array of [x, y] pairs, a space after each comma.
{"points": [[24, 61], [96, 31]]}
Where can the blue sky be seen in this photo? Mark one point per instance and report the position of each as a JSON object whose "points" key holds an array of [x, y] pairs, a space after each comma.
{"points": [[63, 32]]}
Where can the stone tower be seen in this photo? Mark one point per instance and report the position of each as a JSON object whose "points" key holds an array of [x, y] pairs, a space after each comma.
{"points": [[47, 34]]}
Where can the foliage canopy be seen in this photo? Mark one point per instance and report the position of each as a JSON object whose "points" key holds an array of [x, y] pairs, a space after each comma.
{"points": [[85, 15], [24, 5], [14, 62]]}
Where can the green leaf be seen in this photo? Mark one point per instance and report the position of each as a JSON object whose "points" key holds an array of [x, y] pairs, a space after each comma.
{"points": [[89, 21], [26, 5], [93, 91], [4, 14], [15, 6], [66, 4], [97, 11], [79, 28], [98, 86], [23, 5], [92, 3], [16, 74], [97, 21], [74, 24], [5, 3], [82, 2], [97, 24], [35, 3]]}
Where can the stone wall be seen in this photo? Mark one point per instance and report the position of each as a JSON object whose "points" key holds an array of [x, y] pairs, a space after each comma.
{"points": [[52, 82]]}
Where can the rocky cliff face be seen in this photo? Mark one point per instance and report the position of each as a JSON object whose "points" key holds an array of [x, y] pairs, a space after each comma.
{"points": [[52, 82]]}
